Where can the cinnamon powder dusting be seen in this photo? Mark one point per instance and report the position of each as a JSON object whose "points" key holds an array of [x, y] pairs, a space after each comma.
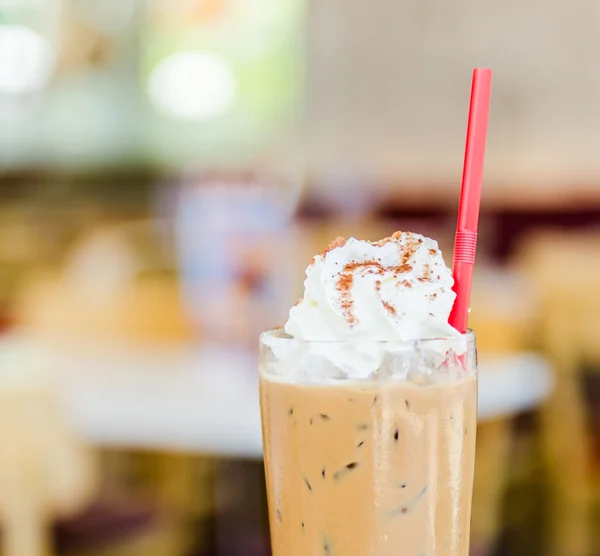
{"points": [[337, 242], [377, 267], [389, 308], [394, 237], [426, 274], [344, 285], [410, 248], [407, 244], [373, 267]]}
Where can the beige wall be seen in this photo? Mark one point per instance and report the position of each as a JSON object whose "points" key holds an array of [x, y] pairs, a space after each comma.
{"points": [[389, 83]]}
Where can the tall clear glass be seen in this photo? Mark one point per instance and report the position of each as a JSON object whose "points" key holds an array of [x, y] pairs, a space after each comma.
{"points": [[374, 465]]}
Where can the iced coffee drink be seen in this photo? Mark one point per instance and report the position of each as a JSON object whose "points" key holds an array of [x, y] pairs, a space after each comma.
{"points": [[369, 406]]}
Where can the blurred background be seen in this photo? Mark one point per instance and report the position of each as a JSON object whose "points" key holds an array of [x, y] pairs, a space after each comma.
{"points": [[167, 170]]}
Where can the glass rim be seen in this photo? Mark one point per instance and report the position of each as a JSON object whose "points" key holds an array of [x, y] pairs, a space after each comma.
{"points": [[280, 334]]}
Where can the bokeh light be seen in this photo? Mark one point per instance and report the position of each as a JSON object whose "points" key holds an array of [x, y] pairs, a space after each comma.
{"points": [[192, 86], [26, 60]]}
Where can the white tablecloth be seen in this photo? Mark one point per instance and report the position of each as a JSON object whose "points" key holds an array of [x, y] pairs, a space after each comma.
{"points": [[201, 400]]}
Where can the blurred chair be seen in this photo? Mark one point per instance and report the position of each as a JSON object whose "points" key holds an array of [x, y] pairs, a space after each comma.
{"points": [[45, 471], [117, 285], [131, 529], [153, 505], [564, 271], [499, 316]]}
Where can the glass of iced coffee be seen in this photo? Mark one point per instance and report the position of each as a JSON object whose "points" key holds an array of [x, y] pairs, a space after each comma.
{"points": [[369, 405]]}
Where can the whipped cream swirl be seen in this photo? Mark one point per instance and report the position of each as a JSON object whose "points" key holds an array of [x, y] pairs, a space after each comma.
{"points": [[398, 288]]}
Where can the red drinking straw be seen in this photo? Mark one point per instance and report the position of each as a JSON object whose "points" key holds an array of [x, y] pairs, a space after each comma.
{"points": [[465, 243]]}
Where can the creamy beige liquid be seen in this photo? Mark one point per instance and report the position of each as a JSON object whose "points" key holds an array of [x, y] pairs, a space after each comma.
{"points": [[369, 468]]}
